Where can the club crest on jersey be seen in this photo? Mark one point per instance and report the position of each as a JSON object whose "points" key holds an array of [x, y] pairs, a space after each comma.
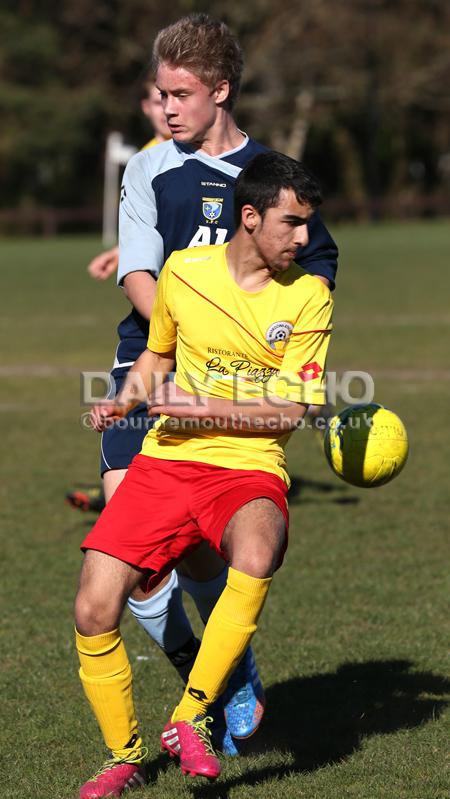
{"points": [[212, 208], [278, 335]]}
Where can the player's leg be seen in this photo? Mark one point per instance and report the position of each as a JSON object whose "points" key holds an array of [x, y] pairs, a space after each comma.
{"points": [[243, 701], [162, 615], [203, 575], [160, 612], [139, 533], [254, 541], [105, 671], [112, 479]]}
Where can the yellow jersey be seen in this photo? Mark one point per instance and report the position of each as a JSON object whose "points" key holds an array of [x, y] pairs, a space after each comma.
{"points": [[150, 143], [238, 345]]}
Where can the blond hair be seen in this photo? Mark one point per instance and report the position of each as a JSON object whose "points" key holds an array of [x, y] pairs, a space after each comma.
{"points": [[204, 46]]}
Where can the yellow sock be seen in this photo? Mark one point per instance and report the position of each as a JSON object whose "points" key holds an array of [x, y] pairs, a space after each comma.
{"points": [[227, 635], [106, 677]]}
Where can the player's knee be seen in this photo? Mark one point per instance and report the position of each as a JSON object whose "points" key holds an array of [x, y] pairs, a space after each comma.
{"points": [[266, 559], [261, 556], [96, 614]]}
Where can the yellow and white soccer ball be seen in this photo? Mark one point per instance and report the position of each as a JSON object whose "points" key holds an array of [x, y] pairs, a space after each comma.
{"points": [[366, 445]]}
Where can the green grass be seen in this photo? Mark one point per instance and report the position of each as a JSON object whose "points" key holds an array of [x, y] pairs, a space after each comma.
{"points": [[352, 643]]}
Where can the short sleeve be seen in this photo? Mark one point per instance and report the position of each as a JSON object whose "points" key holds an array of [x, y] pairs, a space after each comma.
{"points": [[141, 246], [301, 377], [320, 256], [163, 330]]}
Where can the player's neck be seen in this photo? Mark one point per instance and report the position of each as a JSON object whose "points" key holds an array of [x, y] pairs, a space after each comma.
{"points": [[222, 137], [246, 268]]}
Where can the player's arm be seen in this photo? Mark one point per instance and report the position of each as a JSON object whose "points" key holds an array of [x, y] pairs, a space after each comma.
{"points": [[273, 414], [320, 256], [140, 290], [152, 367], [141, 249], [144, 377]]}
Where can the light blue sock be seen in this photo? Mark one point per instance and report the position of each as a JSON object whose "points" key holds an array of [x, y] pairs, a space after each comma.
{"points": [[205, 595], [164, 619]]}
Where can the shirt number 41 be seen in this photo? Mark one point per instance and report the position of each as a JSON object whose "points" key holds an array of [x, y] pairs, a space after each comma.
{"points": [[203, 236]]}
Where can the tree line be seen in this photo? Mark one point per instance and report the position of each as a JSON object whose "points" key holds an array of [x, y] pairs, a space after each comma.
{"points": [[358, 89]]}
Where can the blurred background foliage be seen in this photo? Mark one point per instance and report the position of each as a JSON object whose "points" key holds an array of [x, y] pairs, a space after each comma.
{"points": [[359, 89]]}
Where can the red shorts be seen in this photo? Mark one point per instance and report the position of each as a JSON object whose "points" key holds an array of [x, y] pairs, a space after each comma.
{"points": [[163, 509]]}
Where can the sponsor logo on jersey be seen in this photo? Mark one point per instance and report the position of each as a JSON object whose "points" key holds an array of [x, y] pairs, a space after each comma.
{"points": [[278, 335], [310, 371], [211, 183], [212, 208]]}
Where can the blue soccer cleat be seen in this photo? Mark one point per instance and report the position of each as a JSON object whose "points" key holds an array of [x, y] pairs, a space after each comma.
{"points": [[229, 746], [221, 738], [244, 699]]}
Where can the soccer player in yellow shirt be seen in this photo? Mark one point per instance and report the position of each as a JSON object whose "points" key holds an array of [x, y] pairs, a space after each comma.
{"points": [[250, 331]]}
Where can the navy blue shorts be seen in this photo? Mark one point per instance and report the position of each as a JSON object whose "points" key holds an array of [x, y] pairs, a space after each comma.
{"points": [[123, 440]]}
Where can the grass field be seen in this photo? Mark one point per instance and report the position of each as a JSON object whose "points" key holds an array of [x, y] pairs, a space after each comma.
{"points": [[352, 644]]}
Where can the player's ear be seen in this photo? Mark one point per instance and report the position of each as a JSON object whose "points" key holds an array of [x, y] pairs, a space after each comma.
{"points": [[249, 217], [222, 91]]}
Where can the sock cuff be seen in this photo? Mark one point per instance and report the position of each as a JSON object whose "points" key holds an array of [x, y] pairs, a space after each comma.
{"points": [[114, 677], [157, 603], [97, 644], [244, 583]]}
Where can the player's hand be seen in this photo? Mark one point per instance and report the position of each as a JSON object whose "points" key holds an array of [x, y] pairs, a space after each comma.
{"points": [[105, 414], [172, 400], [104, 265]]}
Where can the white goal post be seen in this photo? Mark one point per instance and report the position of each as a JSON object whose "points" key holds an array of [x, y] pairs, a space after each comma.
{"points": [[117, 155]]}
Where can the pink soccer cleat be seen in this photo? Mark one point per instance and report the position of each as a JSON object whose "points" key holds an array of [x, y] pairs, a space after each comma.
{"points": [[191, 742], [115, 777]]}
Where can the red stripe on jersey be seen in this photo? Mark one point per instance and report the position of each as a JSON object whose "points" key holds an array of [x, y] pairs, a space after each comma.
{"points": [[305, 332], [271, 352]]}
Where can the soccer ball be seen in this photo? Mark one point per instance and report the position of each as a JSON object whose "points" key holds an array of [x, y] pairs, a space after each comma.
{"points": [[366, 445]]}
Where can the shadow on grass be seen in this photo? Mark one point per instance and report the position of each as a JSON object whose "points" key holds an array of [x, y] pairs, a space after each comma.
{"points": [[335, 492], [323, 719], [154, 767]]}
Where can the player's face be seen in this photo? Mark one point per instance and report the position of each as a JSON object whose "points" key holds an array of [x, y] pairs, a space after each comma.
{"points": [[283, 229], [153, 110], [189, 105]]}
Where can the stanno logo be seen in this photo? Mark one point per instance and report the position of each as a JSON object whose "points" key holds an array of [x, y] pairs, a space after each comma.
{"points": [[211, 183]]}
